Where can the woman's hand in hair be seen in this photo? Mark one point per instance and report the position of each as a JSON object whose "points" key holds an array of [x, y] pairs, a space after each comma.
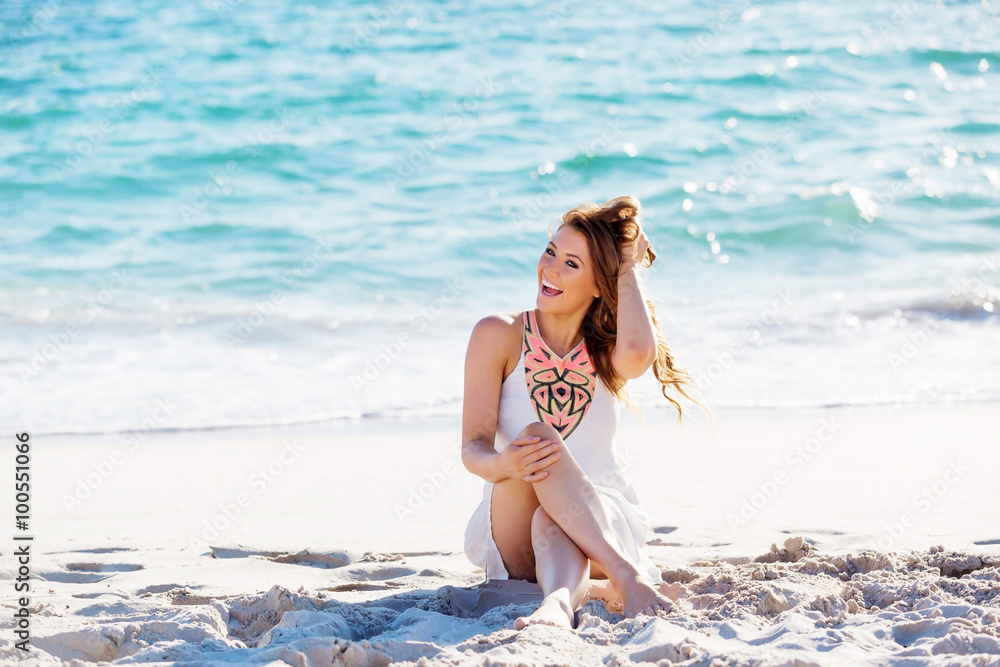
{"points": [[634, 253]]}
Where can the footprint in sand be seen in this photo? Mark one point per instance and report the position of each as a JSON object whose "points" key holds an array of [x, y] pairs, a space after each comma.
{"points": [[98, 550], [73, 577], [88, 573], [163, 588], [327, 560], [103, 567], [361, 586], [313, 558], [379, 573]]}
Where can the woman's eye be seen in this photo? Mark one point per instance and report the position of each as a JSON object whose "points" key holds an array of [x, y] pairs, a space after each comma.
{"points": [[570, 262]]}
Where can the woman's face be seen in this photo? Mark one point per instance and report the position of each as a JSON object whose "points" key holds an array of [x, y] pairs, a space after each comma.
{"points": [[565, 264]]}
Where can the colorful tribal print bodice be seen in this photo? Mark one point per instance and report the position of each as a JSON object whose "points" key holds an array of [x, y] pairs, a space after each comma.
{"points": [[561, 389]]}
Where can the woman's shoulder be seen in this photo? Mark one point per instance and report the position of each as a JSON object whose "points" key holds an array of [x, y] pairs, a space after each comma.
{"points": [[499, 328], [500, 322]]}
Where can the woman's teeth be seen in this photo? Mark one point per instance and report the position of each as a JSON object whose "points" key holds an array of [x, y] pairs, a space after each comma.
{"points": [[550, 291]]}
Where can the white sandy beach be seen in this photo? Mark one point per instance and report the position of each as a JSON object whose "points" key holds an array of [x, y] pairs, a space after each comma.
{"points": [[342, 544]]}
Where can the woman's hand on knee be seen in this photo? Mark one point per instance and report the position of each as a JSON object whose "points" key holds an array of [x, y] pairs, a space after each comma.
{"points": [[527, 457]]}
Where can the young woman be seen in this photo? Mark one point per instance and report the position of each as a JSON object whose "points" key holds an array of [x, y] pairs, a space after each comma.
{"points": [[540, 412]]}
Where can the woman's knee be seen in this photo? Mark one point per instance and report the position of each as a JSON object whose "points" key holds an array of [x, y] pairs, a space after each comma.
{"points": [[546, 431], [540, 429]]}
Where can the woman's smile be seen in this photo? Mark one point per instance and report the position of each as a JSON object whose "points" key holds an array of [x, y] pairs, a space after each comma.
{"points": [[548, 289]]}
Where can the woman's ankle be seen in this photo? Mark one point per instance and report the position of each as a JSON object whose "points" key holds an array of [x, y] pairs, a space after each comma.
{"points": [[624, 575]]}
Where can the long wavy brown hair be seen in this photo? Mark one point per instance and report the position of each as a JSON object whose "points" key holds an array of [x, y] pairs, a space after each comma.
{"points": [[607, 227]]}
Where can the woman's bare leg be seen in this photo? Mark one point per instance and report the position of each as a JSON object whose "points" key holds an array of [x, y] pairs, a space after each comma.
{"points": [[570, 499], [562, 570], [571, 503], [512, 505]]}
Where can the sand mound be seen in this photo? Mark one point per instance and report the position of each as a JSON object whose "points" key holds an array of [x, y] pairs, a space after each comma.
{"points": [[789, 606]]}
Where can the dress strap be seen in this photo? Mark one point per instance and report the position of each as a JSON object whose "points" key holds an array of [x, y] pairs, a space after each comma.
{"points": [[525, 328]]}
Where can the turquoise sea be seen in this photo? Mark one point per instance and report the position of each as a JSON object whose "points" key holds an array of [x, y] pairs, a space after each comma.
{"points": [[238, 213]]}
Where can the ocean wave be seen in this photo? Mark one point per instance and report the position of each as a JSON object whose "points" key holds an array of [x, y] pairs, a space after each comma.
{"points": [[975, 128], [453, 411], [270, 238], [70, 236], [962, 307]]}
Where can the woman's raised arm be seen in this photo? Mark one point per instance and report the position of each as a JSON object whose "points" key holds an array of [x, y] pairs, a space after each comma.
{"points": [[635, 349]]}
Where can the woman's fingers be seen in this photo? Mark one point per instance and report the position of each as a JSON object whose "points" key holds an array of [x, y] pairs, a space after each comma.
{"points": [[539, 466], [635, 251], [641, 246], [543, 462], [543, 454], [540, 450], [536, 453], [535, 476]]}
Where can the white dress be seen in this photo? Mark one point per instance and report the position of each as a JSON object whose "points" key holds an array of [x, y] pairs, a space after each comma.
{"points": [[565, 392]]}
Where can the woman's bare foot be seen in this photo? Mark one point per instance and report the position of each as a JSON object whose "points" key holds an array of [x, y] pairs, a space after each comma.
{"points": [[638, 597], [554, 610]]}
